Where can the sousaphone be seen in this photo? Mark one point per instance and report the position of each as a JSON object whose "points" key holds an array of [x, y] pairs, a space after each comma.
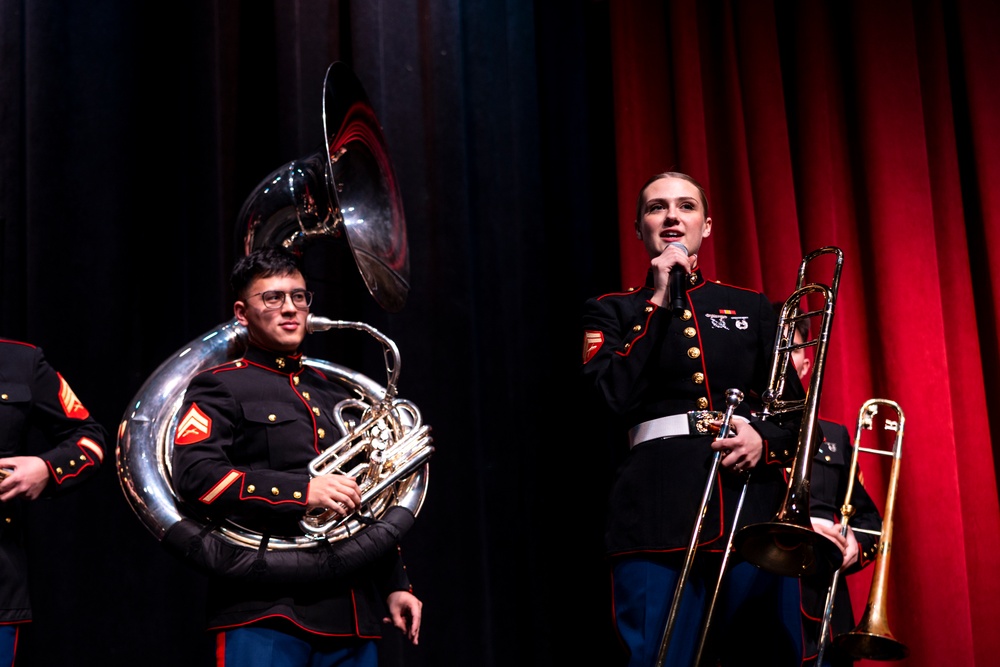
{"points": [[347, 190]]}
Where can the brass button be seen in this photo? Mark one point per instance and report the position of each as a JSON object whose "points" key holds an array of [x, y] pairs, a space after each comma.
{"points": [[694, 352], [59, 471], [274, 491], [271, 418], [698, 378], [637, 327], [686, 315], [689, 332], [305, 395], [6, 519], [296, 379], [649, 309], [827, 458], [702, 403], [316, 411], [239, 364], [83, 457], [280, 362], [3, 396], [627, 346], [297, 495], [251, 488], [693, 278], [321, 433], [631, 289], [72, 463]]}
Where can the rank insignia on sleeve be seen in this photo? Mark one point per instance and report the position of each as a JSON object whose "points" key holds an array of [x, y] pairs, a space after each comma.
{"points": [[71, 405], [194, 427], [592, 342]]}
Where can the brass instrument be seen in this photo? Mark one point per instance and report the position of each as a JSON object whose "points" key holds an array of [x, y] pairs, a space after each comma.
{"points": [[788, 545], [733, 398], [347, 189], [871, 638], [383, 452], [816, 548]]}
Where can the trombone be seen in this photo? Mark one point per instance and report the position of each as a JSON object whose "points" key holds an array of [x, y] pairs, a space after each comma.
{"points": [[871, 638], [774, 404], [788, 545], [733, 398]]}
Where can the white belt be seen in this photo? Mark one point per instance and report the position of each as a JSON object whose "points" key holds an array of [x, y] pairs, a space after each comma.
{"points": [[694, 422]]}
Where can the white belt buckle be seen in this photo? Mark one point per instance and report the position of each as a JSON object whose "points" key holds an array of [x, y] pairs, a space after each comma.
{"points": [[687, 423]]}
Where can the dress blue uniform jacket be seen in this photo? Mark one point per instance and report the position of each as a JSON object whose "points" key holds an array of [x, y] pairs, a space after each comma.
{"points": [[248, 431], [644, 362], [36, 398]]}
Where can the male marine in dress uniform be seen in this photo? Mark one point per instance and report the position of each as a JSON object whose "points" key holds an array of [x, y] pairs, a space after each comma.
{"points": [[248, 431], [830, 472], [35, 399]]}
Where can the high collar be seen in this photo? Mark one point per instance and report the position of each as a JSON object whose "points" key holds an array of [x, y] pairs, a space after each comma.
{"points": [[275, 361], [693, 279]]}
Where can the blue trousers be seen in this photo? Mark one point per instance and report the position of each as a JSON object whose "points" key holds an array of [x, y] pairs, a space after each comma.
{"points": [[756, 620], [253, 646], [8, 644]]}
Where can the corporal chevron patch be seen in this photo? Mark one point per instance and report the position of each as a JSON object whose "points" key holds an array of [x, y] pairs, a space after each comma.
{"points": [[592, 342], [194, 427], [71, 405]]}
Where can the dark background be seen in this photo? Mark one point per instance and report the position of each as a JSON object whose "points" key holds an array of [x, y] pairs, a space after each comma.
{"points": [[130, 135]]}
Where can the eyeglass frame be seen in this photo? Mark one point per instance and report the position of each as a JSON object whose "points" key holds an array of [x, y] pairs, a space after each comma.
{"points": [[284, 295]]}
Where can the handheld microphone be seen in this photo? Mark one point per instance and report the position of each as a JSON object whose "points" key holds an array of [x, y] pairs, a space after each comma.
{"points": [[677, 275]]}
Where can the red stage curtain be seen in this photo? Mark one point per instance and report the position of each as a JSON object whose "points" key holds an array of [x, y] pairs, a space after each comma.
{"points": [[873, 127]]}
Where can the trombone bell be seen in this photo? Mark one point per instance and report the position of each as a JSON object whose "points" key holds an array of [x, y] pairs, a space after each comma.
{"points": [[788, 549], [871, 645]]}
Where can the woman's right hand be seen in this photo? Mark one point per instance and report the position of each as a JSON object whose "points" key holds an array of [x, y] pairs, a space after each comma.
{"points": [[662, 264]]}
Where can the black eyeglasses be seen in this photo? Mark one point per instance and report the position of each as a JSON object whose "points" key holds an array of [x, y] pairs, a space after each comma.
{"points": [[274, 298]]}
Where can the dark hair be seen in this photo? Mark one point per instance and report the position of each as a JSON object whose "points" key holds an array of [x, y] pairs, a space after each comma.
{"points": [[667, 174], [262, 263], [801, 326]]}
